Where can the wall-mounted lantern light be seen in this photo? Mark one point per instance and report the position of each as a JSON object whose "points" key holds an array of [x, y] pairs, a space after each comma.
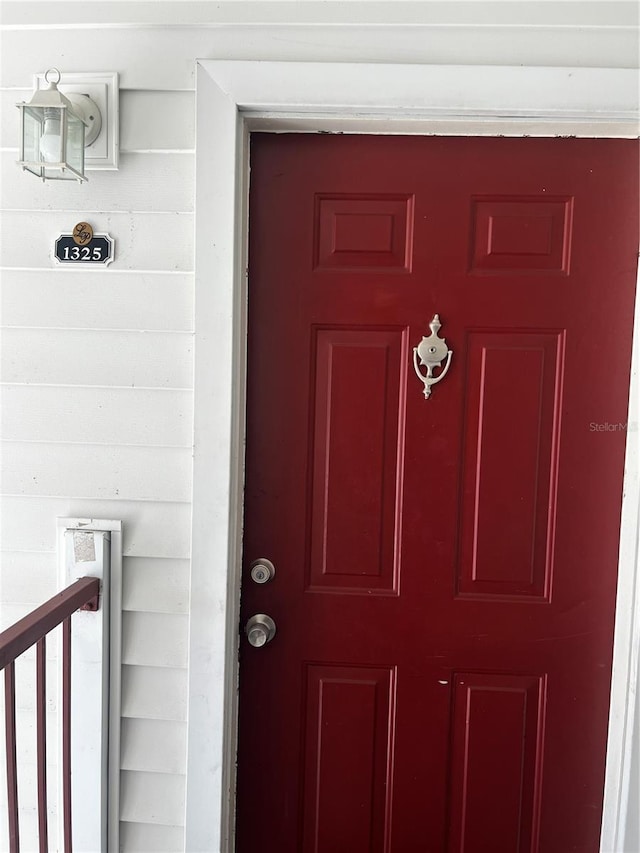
{"points": [[56, 128]]}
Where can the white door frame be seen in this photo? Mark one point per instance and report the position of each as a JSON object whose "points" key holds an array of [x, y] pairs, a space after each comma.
{"points": [[233, 98]]}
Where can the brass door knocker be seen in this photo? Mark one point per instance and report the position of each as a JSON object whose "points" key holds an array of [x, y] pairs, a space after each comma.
{"points": [[432, 351]]}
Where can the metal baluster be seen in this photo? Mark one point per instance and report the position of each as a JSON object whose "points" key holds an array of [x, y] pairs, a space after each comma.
{"points": [[66, 732], [41, 728], [12, 765]]}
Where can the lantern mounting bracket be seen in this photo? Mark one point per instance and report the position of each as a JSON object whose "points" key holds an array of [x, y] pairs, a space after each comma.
{"points": [[101, 151]]}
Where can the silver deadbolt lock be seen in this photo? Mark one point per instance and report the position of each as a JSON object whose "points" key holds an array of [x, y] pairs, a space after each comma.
{"points": [[262, 570], [260, 630]]}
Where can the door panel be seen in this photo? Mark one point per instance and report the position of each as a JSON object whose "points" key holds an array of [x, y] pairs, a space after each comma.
{"points": [[496, 762], [509, 487], [514, 235], [445, 568], [349, 724], [356, 473]]}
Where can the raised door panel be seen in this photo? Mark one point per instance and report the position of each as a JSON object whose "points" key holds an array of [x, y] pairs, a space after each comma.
{"points": [[511, 435], [496, 762], [357, 459], [347, 756]]}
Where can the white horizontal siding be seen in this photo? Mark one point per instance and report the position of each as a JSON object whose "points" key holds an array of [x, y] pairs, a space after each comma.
{"points": [[143, 240], [171, 175], [160, 58], [26, 578], [26, 683], [152, 798], [27, 800], [149, 529], [154, 693], [150, 838], [97, 419], [144, 124], [155, 586], [435, 12], [135, 359], [80, 414], [96, 471], [106, 299], [143, 120], [155, 639], [153, 746], [28, 826], [26, 736], [11, 612]]}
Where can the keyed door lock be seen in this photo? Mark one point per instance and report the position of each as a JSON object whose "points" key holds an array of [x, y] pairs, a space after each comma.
{"points": [[262, 571]]}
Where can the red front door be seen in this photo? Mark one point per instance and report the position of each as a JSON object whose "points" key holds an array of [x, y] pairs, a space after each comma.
{"points": [[445, 568]]}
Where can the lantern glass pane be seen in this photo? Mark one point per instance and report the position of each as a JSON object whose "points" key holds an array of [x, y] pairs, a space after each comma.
{"points": [[74, 154], [31, 137]]}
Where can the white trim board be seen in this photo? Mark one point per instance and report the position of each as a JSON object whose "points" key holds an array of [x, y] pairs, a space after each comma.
{"points": [[233, 98], [580, 100]]}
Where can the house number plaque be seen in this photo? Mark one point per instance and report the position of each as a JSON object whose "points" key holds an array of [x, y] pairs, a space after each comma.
{"points": [[83, 247]]}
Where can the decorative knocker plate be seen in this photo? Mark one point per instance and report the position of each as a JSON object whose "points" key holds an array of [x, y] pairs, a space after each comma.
{"points": [[432, 351]]}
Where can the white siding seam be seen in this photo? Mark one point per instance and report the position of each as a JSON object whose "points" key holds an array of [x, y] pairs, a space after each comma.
{"points": [[103, 213], [131, 768], [134, 717], [24, 91], [143, 556], [169, 668], [127, 609], [131, 820], [153, 772], [227, 13], [99, 330], [7, 551], [152, 557], [125, 716], [158, 151], [185, 388], [120, 273], [312, 25], [93, 499], [11, 150], [59, 269], [55, 442]]}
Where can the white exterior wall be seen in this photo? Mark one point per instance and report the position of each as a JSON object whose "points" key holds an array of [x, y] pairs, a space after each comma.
{"points": [[97, 403]]}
